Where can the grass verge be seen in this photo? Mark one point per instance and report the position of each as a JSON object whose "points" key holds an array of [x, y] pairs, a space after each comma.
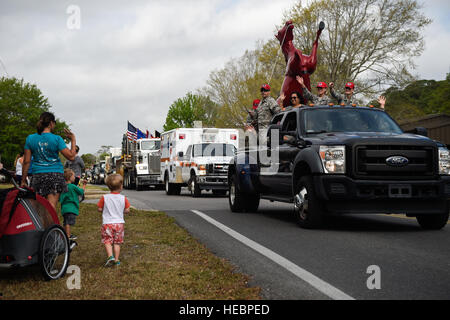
{"points": [[160, 261]]}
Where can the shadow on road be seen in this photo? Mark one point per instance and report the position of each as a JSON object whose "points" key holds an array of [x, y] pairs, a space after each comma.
{"points": [[371, 223]]}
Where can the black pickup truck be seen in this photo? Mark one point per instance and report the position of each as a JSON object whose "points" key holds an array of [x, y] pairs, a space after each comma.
{"points": [[337, 160]]}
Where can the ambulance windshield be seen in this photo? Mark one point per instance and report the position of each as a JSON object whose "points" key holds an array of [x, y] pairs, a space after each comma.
{"points": [[214, 150]]}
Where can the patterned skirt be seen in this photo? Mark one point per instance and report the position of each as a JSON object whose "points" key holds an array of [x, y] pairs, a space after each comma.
{"points": [[48, 183]]}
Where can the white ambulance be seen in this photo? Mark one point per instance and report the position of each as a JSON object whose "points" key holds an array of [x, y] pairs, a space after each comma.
{"points": [[197, 158]]}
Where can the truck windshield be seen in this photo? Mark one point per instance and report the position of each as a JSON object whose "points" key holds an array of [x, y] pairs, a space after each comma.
{"points": [[214, 150], [348, 120], [150, 145]]}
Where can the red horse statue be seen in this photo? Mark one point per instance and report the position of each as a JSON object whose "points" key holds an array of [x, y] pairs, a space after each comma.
{"points": [[297, 63]]}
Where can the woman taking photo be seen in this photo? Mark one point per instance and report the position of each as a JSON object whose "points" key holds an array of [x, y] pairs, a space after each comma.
{"points": [[44, 146]]}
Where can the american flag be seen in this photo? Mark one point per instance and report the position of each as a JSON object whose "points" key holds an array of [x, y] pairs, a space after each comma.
{"points": [[131, 132]]}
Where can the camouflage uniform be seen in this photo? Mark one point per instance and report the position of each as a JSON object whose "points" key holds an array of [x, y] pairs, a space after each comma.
{"points": [[267, 108], [343, 98], [324, 100], [252, 119]]}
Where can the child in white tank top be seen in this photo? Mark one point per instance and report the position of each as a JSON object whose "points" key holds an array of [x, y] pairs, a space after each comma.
{"points": [[113, 206]]}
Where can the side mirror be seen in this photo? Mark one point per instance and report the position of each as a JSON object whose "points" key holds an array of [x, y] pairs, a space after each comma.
{"points": [[421, 131], [290, 140], [180, 154]]}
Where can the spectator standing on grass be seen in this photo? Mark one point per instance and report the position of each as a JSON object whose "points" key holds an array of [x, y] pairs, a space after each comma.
{"points": [[113, 206], [44, 147], [18, 164], [77, 165], [70, 202]]}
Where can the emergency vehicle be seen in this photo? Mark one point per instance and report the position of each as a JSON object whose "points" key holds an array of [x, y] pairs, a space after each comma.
{"points": [[197, 158]]}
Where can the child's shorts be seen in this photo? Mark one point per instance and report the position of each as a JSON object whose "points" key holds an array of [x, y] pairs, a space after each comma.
{"points": [[69, 219], [113, 233]]}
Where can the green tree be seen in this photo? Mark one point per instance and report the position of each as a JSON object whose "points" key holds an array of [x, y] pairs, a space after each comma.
{"points": [[235, 87], [103, 152], [88, 159], [21, 104], [193, 107], [370, 42], [419, 98]]}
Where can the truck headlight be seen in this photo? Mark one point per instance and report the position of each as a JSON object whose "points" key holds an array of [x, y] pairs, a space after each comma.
{"points": [[333, 158], [444, 161], [202, 170], [142, 167]]}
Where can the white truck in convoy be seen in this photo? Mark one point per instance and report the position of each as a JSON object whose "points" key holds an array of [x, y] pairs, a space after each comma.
{"points": [[140, 163], [197, 158]]}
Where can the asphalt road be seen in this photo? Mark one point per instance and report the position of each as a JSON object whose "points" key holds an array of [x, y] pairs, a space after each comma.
{"points": [[351, 257]]}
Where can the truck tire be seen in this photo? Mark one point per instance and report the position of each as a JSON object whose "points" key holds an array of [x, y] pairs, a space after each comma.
{"points": [[308, 210], [132, 181], [171, 188], [138, 186], [194, 187], [433, 221], [125, 180], [239, 201]]}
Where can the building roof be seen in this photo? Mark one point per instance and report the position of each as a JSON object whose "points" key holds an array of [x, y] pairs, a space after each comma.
{"points": [[431, 121]]}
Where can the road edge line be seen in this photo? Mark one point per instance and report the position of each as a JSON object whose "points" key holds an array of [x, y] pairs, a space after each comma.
{"points": [[319, 284]]}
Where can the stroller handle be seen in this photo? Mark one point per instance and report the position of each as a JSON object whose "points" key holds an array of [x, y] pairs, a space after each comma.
{"points": [[9, 175]]}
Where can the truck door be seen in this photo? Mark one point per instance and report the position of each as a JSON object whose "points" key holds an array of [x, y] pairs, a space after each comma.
{"points": [[287, 153], [268, 161]]}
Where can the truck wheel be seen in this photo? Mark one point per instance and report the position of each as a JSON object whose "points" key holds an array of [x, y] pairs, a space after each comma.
{"points": [[433, 221], [132, 181], [235, 197], [308, 210], [240, 201], [138, 186], [125, 180], [251, 203], [194, 187], [171, 188]]}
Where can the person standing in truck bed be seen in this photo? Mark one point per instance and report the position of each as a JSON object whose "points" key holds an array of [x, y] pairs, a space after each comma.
{"points": [[321, 98], [267, 108], [348, 97]]}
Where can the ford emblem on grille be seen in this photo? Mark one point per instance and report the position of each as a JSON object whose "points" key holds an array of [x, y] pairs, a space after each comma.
{"points": [[397, 161]]}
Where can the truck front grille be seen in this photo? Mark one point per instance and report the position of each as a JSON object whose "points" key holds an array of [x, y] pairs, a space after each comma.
{"points": [[154, 164], [219, 169], [370, 162]]}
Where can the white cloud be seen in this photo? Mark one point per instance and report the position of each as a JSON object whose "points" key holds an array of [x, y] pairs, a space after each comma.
{"points": [[131, 60]]}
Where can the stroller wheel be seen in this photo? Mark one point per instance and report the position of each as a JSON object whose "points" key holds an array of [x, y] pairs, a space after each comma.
{"points": [[54, 253]]}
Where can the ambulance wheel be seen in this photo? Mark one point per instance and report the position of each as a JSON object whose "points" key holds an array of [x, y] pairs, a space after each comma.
{"points": [[194, 187], [54, 253], [171, 188]]}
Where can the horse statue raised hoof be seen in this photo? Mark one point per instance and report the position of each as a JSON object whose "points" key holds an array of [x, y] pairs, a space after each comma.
{"points": [[297, 63]]}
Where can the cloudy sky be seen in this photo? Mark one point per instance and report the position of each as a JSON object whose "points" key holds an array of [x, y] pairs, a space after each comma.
{"points": [[129, 60]]}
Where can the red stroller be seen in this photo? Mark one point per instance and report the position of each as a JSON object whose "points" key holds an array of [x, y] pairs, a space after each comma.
{"points": [[30, 232]]}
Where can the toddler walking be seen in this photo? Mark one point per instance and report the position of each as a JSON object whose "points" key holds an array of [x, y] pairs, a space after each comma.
{"points": [[70, 202], [113, 206]]}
